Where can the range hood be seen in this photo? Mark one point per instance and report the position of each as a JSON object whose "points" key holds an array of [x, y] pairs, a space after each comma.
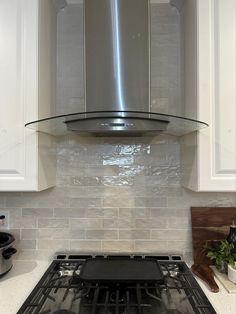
{"points": [[117, 72]]}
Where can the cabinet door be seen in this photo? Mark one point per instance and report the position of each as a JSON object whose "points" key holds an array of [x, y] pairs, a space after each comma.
{"points": [[211, 154], [218, 103], [14, 167], [19, 149]]}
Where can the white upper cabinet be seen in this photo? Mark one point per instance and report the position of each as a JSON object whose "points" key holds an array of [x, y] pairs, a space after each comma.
{"points": [[27, 88], [209, 158]]}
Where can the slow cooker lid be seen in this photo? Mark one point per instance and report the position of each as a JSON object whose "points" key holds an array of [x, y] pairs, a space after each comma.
{"points": [[5, 239]]}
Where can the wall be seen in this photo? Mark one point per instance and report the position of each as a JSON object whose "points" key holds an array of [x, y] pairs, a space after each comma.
{"points": [[121, 194]]}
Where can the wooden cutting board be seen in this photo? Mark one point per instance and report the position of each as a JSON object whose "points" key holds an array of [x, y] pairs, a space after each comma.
{"points": [[209, 224]]}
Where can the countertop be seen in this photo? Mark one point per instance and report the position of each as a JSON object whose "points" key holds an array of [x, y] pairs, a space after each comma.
{"points": [[19, 282]]}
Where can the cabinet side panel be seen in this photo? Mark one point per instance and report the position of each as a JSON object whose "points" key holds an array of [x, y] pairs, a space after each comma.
{"points": [[189, 148], [47, 58], [189, 162], [47, 90], [46, 161], [189, 17]]}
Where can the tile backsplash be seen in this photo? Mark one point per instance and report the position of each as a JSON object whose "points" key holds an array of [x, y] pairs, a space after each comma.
{"points": [[112, 194]]}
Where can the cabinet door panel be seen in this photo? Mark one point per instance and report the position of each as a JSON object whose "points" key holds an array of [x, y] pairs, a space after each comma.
{"points": [[11, 118], [225, 86], [25, 154], [217, 95], [209, 157], [18, 94]]}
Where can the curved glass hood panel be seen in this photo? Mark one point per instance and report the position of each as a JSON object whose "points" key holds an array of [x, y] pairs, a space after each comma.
{"points": [[106, 123]]}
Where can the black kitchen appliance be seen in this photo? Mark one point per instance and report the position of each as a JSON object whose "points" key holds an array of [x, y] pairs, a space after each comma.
{"points": [[6, 252], [80, 284]]}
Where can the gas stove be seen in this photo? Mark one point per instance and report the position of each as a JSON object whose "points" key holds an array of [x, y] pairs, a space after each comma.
{"points": [[62, 291]]}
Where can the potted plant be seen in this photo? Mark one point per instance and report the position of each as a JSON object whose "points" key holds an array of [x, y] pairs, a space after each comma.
{"points": [[221, 254], [232, 272]]}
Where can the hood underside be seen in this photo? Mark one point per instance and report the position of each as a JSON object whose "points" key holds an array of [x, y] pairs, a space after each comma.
{"points": [[114, 123]]}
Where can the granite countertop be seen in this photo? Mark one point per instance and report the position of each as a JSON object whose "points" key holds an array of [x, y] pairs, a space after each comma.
{"points": [[19, 282]]}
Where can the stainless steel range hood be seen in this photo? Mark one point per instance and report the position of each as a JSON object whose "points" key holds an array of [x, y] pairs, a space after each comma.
{"points": [[117, 72]]}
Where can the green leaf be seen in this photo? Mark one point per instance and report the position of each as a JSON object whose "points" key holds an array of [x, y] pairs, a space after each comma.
{"points": [[220, 253]]}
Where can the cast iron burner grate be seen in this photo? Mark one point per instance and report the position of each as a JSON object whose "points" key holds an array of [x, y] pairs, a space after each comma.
{"points": [[61, 291]]}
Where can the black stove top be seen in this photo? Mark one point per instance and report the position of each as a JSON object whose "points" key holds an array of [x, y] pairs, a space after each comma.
{"points": [[61, 291]]}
